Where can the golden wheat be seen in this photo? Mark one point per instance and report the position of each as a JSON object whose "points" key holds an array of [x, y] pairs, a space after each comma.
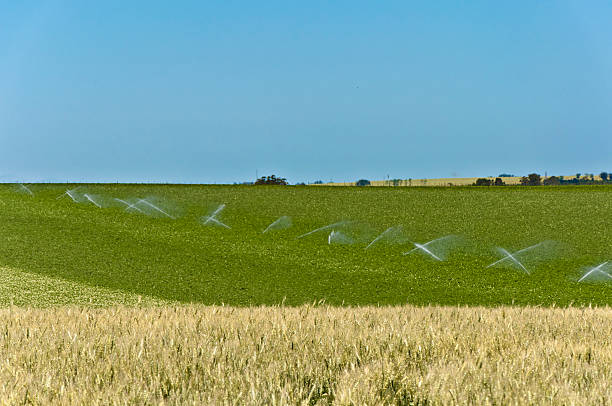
{"points": [[306, 355]]}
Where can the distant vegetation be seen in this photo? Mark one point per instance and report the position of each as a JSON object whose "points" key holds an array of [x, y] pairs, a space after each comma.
{"points": [[271, 180], [489, 182], [535, 179], [362, 182]]}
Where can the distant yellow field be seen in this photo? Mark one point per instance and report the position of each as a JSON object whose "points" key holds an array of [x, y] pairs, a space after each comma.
{"points": [[514, 180]]}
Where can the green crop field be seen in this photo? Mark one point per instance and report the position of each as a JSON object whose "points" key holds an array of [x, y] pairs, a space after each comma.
{"points": [[56, 251]]}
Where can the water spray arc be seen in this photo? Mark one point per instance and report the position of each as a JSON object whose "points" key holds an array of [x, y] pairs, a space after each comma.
{"points": [[512, 256], [424, 247], [280, 223], [597, 270], [327, 227], [26, 189], [129, 206], [86, 196], [382, 235], [212, 218], [70, 194], [337, 237], [154, 207]]}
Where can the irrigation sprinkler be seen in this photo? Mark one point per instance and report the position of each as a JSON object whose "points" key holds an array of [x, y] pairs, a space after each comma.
{"points": [[86, 196], [212, 218], [327, 227], [424, 247], [69, 193], [385, 234], [129, 206], [597, 271], [154, 207], [24, 187], [278, 224], [217, 222], [512, 256], [337, 237]]}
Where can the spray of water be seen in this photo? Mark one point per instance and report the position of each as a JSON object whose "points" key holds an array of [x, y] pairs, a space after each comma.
{"points": [[91, 199], [512, 256], [154, 207], [212, 218], [327, 227], [337, 237], [439, 245], [531, 254], [217, 222], [129, 206], [597, 274], [70, 194], [25, 189], [280, 223], [390, 234]]}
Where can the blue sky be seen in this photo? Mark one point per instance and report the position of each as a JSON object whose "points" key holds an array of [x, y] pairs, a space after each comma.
{"points": [[214, 91]]}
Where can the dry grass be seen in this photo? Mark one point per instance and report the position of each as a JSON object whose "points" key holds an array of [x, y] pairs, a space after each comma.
{"points": [[306, 355]]}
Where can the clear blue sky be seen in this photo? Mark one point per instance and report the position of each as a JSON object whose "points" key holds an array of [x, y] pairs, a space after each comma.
{"points": [[209, 91]]}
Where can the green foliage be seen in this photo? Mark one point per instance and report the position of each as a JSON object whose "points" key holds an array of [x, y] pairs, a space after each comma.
{"points": [[533, 179], [271, 180], [362, 182], [483, 182], [128, 254], [552, 180]]}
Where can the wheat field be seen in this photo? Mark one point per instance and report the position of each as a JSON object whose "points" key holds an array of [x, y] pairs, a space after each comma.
{"points": [[196, 354]]}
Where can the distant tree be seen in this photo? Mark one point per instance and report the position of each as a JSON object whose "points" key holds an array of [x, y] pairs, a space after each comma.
{"points": [[396, 182], [317, 182], [271, 180], [300, 184], [362, 182], [499, 182], [604, 176], [578, 175], [506, 175], [483, 182], [533, 179], [550, 181]]}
